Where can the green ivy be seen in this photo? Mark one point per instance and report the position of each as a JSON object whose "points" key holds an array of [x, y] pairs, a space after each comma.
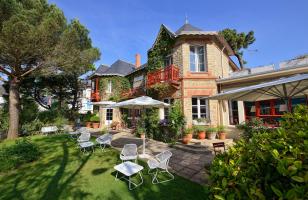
{"points": [[160, 90], [119, 85], [160, 50]]}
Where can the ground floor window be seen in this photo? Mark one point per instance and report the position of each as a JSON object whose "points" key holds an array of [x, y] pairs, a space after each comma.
{"points": [[167, 110], [109, 114], [271, 111], [233, 112], [199, 107]]}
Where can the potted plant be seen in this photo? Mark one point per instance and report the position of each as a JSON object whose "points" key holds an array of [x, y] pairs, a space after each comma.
{"points": [[87, 119], [211, 133], [221, 132], [95, 121], [140, 131], [187, 135], [200, 130]]}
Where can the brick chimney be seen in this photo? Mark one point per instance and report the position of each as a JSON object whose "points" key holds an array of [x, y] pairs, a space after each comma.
{"points": [[138, 60]]}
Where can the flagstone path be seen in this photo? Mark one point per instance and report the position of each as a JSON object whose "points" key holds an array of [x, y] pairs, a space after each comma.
{"points": [[186, 164]]}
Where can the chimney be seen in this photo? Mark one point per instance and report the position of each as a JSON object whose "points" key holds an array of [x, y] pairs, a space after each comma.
{"points": [[138, 60]]}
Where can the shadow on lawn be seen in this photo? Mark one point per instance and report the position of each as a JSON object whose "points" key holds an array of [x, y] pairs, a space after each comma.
{"points": [[48, 177]]}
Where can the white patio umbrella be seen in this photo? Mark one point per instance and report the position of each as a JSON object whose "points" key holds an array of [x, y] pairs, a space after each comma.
{"points": [[104, 104], [141, 103], [282, 88]]}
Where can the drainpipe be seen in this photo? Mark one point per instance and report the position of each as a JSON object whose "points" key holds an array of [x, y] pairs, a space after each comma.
{"points": [[220, 101], [221, 54]]}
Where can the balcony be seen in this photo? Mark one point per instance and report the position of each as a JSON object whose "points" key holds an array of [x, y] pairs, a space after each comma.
{"points": [[133, 92], [168, 74], [95, 97]]}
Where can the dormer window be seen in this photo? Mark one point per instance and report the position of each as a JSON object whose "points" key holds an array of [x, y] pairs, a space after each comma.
{"points": [[197, 59]]}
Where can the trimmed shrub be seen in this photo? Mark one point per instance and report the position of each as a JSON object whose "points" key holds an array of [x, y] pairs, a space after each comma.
{"points": [[23, 151], [268, 165]]}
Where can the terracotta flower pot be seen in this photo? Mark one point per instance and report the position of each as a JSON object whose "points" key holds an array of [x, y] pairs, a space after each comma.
{"points": [[88, 124], [142, 136], [186, 139], [95, 125], [201, 135], [222, 136]]}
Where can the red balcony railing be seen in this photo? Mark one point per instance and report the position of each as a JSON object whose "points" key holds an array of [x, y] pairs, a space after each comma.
{"points": [[133, 92], [95, 96], [168, 74]]}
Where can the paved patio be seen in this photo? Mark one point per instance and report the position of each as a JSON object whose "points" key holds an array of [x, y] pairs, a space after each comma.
{"points": [[188, 164]]}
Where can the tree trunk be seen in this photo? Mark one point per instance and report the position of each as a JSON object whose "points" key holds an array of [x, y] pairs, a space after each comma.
{"points": [[240, 60], [14, 108]]}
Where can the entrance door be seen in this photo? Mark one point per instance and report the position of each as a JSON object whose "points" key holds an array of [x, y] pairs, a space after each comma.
{"points": [[109, 116]]}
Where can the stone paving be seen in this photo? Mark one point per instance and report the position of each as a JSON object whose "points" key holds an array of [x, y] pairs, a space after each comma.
{"points": [[186, 164]]}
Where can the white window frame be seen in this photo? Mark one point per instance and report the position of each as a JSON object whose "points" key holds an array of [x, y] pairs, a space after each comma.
{"points": [[109, 87], [197, 68], [199, 107]]}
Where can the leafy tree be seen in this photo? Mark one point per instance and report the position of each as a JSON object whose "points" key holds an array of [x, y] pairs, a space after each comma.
{"points": [[35, 38], [238, 42]]}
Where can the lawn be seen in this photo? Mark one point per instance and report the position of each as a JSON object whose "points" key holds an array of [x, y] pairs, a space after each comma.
{"points": [[63, 172]]}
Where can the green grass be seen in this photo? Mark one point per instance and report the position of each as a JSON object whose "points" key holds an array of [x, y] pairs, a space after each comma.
{"points": [[63, 172]]}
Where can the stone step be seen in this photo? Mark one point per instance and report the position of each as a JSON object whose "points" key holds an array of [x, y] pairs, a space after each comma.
{"points": [[198, 149]]}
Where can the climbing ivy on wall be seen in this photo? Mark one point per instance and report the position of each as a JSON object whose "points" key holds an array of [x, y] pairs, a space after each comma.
{"points": [[160, 50], [119, 85]]}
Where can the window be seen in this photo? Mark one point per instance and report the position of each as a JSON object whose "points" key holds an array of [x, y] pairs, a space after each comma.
{"points": [[93, 85], [168, 60], [167, 110], [138, 81], [233, 112], [109, 114], [199, 108], [197, 55], [265, 108], [109, 87]]}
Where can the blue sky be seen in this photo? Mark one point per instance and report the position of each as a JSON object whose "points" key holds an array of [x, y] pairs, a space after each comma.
{"points": [[122, 28]]}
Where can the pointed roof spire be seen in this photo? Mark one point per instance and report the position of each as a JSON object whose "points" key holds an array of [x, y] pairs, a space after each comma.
{"points": [[186, 19]]}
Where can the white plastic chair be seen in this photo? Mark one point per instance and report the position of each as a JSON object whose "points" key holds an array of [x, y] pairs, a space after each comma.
{"points": [[129, 152], [84, 137], [161, 164], [104, 140]]}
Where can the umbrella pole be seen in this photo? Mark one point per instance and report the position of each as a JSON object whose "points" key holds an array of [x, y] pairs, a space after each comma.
{"points": [[143, 155]]}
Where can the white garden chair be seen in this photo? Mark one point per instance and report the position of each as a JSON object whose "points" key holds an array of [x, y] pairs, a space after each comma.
{"points": [[129, 152], [84, 137], [104, 140], [160, 163]]}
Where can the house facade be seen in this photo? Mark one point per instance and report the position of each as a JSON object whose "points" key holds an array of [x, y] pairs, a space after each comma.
{"points": [[188, 73], [189, 65]]}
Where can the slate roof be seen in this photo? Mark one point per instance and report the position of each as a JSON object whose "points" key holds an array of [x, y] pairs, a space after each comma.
{"points": [[187, 27], [118, 68], [139, 68]]}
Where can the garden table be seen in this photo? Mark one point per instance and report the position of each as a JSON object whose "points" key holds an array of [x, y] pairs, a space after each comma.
{"points": [[129, 169], [84, 145]]}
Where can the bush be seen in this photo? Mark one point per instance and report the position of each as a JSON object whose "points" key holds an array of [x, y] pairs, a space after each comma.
{"points": [[94, 118], [268, 166], [23, 151], [32, 127], [4, 121], [252, 127], [176, 119]]}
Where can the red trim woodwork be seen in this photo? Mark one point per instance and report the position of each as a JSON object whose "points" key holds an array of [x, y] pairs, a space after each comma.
{"points": [[95, 96], [133, 92], [168, 74]]}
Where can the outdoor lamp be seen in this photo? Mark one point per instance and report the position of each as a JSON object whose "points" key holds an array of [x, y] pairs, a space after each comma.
{"points": [[253, 109]]}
